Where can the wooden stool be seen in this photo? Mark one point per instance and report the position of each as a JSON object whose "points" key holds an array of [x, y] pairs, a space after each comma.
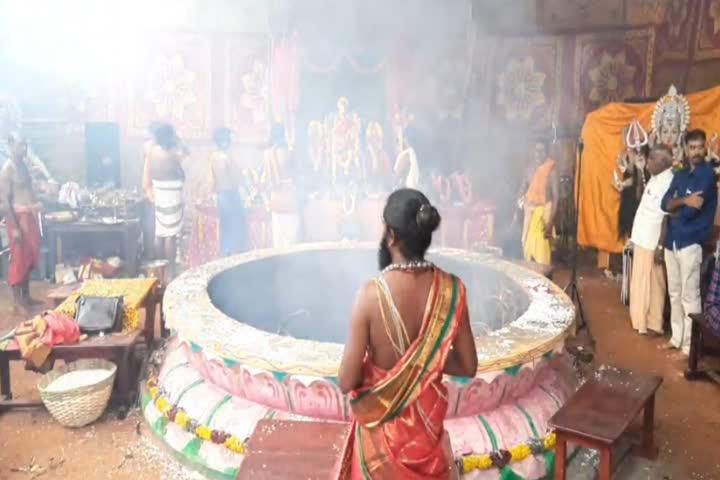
{"points": [[599, 414], [59, 294], [293, 450]]}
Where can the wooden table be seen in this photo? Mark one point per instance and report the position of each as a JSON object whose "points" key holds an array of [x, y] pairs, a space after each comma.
{"points": [[129, 230], [601, 411], [118, 348]]}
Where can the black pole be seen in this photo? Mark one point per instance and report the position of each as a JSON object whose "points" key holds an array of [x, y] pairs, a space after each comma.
{"points": [[572, 287]]}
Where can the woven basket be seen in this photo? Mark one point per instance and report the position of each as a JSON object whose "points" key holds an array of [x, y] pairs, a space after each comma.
{"points": [[80, 406]]}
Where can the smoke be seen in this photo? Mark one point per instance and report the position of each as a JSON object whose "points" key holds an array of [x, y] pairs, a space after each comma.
{"points": [[310, 294]]}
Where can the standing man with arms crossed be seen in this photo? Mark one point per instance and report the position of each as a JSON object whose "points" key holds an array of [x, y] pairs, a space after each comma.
{"points": [[21, 215], [691, 202]]}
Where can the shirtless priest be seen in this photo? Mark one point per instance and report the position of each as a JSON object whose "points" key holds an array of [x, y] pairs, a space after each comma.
{"points": [[164, 168], [21, 216]]}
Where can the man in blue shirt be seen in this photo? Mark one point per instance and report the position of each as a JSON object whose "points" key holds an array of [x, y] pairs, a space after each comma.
{"points": [[691, 201]]}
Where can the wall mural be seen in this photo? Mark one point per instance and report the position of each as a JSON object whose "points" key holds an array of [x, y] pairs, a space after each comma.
{"points": [[611, 67], [523, 79], [172, 81], [528, 80]]}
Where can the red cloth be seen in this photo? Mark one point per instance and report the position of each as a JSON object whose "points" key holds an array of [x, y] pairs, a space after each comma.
{"points": [[61, 329], [25, 255]]}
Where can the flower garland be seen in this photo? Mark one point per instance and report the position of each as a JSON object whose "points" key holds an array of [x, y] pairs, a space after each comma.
{"points": [[178, 416], [501, 458], [466, 463]]}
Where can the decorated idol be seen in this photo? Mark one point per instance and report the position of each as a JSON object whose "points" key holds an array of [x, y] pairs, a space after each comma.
{"points": [[670, 121]]}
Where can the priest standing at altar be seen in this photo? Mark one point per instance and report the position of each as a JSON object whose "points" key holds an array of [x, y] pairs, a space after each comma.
{"points": [[539, 206]]}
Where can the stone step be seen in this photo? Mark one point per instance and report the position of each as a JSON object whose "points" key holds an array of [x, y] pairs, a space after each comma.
{"points": [[293, 450]]}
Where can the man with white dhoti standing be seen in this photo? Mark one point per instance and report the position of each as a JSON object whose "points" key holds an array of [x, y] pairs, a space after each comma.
{"points": [[168, 180], [647, 284]]}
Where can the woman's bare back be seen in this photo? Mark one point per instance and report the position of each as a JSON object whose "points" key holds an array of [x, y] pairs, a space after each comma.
{"points": [[409, 291]]}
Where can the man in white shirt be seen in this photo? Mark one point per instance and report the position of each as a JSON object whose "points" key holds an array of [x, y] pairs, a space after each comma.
{"points": [[647, 284]]}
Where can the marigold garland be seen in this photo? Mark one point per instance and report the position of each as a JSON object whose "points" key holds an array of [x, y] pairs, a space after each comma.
{"points": [[501, 458], [467, 463], [177, 415]]}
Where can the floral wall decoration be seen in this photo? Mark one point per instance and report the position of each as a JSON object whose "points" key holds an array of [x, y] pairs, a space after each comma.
{"points": [[611, 68], [172, 81], [527, 81]]}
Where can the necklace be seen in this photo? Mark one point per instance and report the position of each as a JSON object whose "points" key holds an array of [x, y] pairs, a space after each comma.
{"points": [[409, 266]]}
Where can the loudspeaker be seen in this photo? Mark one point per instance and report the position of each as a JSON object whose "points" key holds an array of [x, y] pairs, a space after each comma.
{"points": [[102, 153]]}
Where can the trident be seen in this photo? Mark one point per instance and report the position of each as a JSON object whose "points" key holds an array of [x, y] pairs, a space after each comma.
{"points": [[636, 136]]}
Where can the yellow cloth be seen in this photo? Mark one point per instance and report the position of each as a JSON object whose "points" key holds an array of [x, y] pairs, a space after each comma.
{"points": [[133, 290], [536, 247], [602, 134]]}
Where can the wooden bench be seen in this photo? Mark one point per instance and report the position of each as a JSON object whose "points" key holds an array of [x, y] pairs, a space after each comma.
{"points": [[118, 348], [601, 411], [151, 303], [58, 294]]}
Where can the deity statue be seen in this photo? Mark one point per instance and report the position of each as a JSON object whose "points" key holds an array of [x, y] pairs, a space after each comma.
{"points": [[343, 136], [631, 174], [670, 121]]}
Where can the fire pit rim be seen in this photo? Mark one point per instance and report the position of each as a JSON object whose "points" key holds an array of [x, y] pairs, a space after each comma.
{"points": [[189, 311]]}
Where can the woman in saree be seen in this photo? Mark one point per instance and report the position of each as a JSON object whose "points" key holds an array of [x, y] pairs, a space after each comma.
{"points": [[408, 327]]}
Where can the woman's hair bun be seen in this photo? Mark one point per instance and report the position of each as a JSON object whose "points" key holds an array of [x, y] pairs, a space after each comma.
{"points": [[427, 218]]}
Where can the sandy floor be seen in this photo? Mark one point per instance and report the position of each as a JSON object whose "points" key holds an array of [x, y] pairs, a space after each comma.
{"points": [[32, 445]]}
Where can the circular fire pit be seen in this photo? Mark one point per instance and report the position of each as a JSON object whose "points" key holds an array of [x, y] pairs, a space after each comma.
{"points": [[261, 335]]}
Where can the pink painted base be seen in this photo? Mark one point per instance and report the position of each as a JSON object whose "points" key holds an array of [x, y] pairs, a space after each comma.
{"points": [[485, 415]]}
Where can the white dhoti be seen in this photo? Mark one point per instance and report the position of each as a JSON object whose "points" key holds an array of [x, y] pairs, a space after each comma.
{"points": [[169, 207], [285, 229]]}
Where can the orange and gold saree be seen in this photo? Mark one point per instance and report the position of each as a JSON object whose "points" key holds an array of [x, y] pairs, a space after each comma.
{"points": [[398, 428]]}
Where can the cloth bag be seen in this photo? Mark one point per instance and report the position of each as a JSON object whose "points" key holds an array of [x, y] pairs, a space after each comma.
{"points": [[99, 314]]}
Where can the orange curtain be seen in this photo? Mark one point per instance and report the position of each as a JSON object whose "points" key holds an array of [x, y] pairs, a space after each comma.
{"points": [[602, 134]]}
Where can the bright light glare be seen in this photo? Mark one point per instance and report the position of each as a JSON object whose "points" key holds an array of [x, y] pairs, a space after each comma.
{"points": [[82, 39]]}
